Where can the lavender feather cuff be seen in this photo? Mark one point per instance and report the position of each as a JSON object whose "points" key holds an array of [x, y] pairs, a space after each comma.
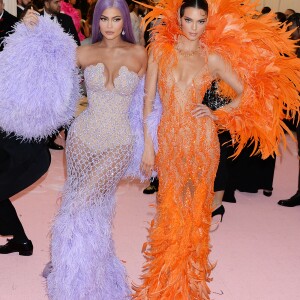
{"points": [[153, 121], [136, 124], [39, 80], [137, 127]]}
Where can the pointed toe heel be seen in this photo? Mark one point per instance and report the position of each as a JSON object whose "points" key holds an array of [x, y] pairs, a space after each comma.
{"points": [[219, 211]]}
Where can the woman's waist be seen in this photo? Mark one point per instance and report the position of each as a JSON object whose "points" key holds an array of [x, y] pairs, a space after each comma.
{"points": [[178, 119], [100, 138], [104, 118], [101, 126]]}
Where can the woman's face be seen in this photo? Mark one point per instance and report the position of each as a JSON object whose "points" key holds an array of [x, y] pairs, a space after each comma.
{"points": [[193, 23], [73, 2], [111, 23]]}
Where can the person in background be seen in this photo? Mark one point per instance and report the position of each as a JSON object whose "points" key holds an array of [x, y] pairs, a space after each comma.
{"points": [[21, 4], [136, 22], [39, 4], [289, 12], [67, 7], [21, 164], [84, 5], [87, 24], [52, 10], [280, 17], [7, 21], [265, 10], [294, 19], [251, 173]]}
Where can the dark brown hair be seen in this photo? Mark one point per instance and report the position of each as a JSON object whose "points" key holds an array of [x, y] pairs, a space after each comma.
{"points": [[200, 4]]}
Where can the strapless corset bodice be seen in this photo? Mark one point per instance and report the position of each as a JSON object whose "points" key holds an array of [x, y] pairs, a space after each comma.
{"points": [[105, 122], [124, 84]]}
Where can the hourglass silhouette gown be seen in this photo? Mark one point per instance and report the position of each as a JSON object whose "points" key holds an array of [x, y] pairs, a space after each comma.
{"points": [[187, 160], [99, 150], [177, 253]]}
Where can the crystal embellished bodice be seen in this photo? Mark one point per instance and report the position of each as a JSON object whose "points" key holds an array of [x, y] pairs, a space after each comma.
{"points": [[105, 122]]}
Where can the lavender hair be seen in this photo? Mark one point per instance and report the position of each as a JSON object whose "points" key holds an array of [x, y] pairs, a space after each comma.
{"points": [[123, 7]]}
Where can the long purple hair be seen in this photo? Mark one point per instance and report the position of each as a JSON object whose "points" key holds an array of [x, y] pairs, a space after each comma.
{"points": [[123, 7]]}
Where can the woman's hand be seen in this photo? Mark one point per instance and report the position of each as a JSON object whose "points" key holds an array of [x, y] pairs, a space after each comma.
{"points": [[31, 18], [235, 103], [148, 158], [202, 110]]}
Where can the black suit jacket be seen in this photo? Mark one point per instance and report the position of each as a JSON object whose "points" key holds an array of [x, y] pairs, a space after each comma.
{"points": [[68, 26], [19, 12], [6, 26]]}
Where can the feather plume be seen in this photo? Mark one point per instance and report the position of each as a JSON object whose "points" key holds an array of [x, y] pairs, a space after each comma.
{"points": [[39, 80], [84, 235]]}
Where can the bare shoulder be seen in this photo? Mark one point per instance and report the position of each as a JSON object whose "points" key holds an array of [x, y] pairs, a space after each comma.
{"points": [[139, 51], [214, 60], [83, 53], [139, 58], [216, 63]]}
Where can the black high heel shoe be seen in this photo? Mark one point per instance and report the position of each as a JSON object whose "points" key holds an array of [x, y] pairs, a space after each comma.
{"points": [[153, 186], [219, 211]]}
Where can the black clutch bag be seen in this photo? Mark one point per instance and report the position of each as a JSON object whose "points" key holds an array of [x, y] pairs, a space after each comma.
{"points": [[212, 99]]}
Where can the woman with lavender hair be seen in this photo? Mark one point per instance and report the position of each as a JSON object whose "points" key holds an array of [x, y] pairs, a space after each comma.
{"points": [[100, 147]]}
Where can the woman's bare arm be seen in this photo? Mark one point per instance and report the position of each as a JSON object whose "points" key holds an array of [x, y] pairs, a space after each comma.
{"points": [[220, 69]]}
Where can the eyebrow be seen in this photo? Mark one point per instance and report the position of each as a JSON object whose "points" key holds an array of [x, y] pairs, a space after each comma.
{"points": [[204, 18], [103, 16]]}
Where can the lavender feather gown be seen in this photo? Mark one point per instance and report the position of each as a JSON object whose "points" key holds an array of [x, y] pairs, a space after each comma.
{"points": [[100, 147]]}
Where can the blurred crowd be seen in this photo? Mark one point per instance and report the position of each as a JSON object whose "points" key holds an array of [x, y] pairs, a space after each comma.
{"points": [[82, 11]]}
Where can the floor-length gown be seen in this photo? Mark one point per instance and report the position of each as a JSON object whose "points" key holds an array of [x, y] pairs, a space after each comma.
{"points": [[177, 264], [99, 149]]}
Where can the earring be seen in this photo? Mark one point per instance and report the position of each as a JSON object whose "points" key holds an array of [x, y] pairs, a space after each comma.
{"points": [[123, 32]]}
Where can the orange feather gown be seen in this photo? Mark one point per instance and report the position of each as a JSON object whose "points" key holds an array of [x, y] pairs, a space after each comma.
{"points": [[177, 253]]}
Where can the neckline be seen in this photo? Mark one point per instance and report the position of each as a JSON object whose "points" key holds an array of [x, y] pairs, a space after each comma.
{"points": [[102, 65], [201, 71], [191, 84]]}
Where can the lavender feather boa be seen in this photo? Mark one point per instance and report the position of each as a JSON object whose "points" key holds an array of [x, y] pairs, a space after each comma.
{"points": [[39, 80], [137, 127]]}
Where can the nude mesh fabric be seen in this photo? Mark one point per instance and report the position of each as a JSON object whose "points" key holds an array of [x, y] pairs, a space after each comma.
{"points": [[99, 149]]}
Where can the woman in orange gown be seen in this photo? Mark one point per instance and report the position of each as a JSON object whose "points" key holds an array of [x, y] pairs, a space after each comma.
{"points": [[182, 64], [187, 158]]}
